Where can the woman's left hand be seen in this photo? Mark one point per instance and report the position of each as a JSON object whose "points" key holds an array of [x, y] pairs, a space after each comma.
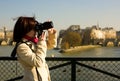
{"points": [[51, 31]]}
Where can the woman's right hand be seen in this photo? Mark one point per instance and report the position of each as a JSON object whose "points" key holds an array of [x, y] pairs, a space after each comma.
{"points": [[43, 36]]}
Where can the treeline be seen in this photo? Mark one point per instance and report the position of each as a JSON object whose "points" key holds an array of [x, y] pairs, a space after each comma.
{"points": [[71, 39]]}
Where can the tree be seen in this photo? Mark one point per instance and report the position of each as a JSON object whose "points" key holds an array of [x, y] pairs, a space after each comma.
{"points": [[72, 38], [65, 45]]}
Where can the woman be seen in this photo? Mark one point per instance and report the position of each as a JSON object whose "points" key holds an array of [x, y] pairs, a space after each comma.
{"points": [[31, 51]]}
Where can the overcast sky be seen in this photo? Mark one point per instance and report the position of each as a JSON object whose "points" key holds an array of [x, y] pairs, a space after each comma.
{"points": [[63, 12]]}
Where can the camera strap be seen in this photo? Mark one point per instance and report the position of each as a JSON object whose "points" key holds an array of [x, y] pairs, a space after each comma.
{"points": [[13, 54]]}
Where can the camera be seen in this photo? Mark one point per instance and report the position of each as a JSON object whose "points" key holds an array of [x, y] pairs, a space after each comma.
{"points": [[43, 26]]}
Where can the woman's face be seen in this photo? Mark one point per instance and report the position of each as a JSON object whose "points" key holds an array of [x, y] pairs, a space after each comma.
{"points": [[31, 33]]}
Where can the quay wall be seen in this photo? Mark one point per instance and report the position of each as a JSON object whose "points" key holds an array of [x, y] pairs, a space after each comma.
{"points": [[79, 48]]}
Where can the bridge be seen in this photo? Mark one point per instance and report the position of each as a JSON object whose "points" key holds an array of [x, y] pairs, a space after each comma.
{"points": [[106, 42], [6, 42], [67, 69]]}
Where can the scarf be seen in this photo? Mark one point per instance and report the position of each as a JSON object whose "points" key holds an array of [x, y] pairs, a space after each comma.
{"points": [[34, 40]]}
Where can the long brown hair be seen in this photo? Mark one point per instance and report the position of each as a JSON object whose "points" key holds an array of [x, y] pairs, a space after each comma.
{"points": [[22, 27]]}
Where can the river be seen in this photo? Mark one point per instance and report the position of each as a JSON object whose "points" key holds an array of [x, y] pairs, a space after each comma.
{"points": [[95, 52]]}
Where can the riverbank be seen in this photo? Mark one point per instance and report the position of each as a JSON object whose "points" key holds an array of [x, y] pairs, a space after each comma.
{"points": [[79, 48]]}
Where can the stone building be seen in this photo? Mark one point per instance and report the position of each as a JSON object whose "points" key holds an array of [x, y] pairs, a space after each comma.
{"points": [[93, 35], [110, 33], [97, 35]]}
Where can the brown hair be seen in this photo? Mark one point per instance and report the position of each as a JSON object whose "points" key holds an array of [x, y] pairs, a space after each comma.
{"points": [[22, 27]]}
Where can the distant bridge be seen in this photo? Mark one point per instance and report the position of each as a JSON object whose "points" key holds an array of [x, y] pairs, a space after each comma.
{"points": [[106, 42], [5, 42]]}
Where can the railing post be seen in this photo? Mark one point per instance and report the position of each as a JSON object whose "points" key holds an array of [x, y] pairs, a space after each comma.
{"points": [[73, 70]]}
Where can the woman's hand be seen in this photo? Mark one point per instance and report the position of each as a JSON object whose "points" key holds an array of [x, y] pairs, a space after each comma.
{"points": [[51, 31], [43, 36]]}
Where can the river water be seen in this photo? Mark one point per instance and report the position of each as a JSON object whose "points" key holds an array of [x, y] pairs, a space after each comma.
{"points": [[95, 52]]}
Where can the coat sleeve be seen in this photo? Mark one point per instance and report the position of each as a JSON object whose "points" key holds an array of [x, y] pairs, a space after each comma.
{"points": [[30, 58], [52, 40]]}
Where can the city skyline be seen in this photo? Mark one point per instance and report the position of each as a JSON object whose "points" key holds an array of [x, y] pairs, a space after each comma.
{"points": [[63, 12]]}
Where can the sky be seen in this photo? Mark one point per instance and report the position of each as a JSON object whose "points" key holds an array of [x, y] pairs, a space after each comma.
{"points": [[63, 13]]}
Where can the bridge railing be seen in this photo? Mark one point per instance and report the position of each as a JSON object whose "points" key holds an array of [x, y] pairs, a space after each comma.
{"points": [[67, 69]]}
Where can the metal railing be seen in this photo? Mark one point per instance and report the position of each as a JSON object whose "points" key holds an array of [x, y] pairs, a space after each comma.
{"points": [[67, 69]]}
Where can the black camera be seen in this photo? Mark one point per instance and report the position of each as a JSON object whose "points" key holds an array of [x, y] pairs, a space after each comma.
{"points": [[43, 26]]}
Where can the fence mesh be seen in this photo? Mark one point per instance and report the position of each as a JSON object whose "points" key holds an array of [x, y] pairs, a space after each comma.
{"points": [[61, 70]]}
